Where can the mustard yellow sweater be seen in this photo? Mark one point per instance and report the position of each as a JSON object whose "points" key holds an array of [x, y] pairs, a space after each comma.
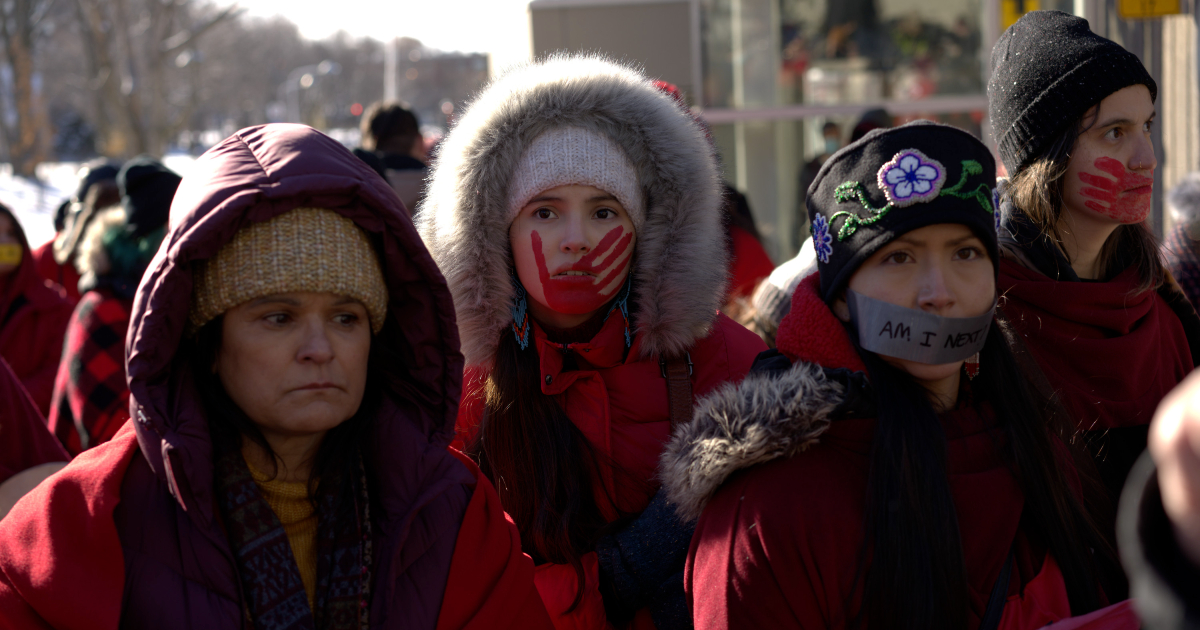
{"points": [[289, 501]]}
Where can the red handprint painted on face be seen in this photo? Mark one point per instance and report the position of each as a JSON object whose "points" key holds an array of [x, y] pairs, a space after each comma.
{"points": [[596, 276], [1125, 199]]}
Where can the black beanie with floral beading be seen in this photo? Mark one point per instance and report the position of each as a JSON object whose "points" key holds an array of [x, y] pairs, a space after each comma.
{"points": [[893, 181]]}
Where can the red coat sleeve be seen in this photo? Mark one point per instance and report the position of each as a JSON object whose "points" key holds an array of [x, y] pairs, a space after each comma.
{"points": [[61, 564], [50, 327], [24, 440], [491, 581], [758, 561]]}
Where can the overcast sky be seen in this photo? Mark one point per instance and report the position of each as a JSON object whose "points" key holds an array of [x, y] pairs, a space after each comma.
{"points": [[497, 27]]}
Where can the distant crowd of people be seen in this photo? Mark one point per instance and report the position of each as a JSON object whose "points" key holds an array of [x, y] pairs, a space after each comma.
{"points": [[548, 376]]}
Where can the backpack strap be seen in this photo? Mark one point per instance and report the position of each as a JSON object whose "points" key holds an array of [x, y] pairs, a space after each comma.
{"points": [[677, 370], [995, 605]]}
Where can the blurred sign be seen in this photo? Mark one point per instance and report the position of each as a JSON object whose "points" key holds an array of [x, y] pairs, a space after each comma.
{"points": [[1012, 10], [661, 35], [1141, 9]]}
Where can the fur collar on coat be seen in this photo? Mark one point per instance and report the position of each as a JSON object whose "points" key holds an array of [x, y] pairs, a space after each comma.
{"points": [[680, 262], [779, 410]]}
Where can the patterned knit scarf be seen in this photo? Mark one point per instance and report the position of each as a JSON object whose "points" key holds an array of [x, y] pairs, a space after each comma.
{"points": [[271, 584]]}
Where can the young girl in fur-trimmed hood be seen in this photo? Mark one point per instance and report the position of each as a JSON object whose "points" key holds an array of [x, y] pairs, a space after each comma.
{"points": [[888, 467], [576, 212]]}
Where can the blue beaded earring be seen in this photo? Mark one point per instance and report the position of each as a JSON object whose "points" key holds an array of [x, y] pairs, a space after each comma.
{"points": [[622, 304], [520, 313]]}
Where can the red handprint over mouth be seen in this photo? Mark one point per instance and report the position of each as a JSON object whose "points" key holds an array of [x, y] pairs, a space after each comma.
{"points": [[597, 275], [1125, 199]]}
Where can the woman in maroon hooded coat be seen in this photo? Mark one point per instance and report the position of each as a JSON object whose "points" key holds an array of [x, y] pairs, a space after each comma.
{"points": [[33, 315], [294, 379]]}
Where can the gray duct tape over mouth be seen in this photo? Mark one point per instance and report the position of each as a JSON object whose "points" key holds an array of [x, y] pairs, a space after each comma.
{"points": [[906, 333]]}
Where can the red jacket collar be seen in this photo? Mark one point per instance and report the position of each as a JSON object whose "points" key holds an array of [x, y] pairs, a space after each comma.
{"points": [[810, 332], [605, 350]]}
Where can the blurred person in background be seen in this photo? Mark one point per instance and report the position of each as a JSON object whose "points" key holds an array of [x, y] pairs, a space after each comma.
{"points": [[772, 300], [33, 314], [1182, 247], [296, 374], [91, 397], [748, 260], [871, 120], [28, 453], [392, 144], [64, 273], [1159, 524], [98, 191]]}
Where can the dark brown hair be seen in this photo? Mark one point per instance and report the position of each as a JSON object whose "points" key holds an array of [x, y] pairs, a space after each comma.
{"points": [[916, 574], [542, 465], [1038, 191], [389, 126]]}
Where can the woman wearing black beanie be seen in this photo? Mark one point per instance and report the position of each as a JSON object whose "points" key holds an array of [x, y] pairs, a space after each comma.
{"points": [[1081, 273]]}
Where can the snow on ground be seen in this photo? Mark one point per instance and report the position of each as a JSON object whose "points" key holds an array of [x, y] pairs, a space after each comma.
{"points": [[34, 203]]}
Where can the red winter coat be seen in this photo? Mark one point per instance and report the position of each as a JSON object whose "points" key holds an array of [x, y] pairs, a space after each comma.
{"points": [[621, 405], [33, 319], [779, 485], [91, 397], [24, 440], [749, 263], [64, 276], [60, 543], [130, 535]]}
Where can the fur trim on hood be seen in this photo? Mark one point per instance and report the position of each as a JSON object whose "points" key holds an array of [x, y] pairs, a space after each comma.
{"points": [[765, 417], [779, 410], [680, 265]]}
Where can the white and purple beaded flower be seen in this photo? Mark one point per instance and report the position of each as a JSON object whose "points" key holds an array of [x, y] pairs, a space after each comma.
{"points": [[911, 177], [822, 239]]}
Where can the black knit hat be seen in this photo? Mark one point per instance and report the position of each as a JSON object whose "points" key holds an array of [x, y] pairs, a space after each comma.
{"points": [[894, 181], [1048, 69], [147, 188], [97, 170]]}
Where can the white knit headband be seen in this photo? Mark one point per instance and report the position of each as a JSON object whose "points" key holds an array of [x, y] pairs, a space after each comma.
{"points": [[572, 155]]}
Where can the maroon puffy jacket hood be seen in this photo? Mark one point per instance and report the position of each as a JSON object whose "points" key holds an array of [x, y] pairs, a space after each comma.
{"points": [[252, 176]]}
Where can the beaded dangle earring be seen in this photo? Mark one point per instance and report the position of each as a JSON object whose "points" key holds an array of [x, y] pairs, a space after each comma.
{"points": [[520, 313], [971, 365], [622, 305]]}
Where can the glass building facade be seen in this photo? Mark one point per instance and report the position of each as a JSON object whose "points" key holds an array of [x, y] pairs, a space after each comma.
{"points": [[782, 83]]}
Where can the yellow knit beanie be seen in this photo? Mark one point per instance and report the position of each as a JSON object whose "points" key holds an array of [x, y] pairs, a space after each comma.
{"points": [[306, 249]]}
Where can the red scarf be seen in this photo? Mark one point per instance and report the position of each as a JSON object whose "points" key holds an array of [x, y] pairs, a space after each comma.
{"points": [[1110, 354]]}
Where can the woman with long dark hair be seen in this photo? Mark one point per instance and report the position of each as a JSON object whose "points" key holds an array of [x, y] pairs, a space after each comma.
{"points": [[294, 378], [888, 466], [576, 212], [1082, 276]]}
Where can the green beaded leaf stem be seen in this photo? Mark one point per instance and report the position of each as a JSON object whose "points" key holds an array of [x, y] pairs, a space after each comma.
{"points": [[854, 191]]}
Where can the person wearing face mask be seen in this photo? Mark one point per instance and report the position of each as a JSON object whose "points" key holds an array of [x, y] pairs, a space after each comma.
{"points": [[294, 377], [33, 314], [576, 212], [887, 466], [1107, 328]]}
